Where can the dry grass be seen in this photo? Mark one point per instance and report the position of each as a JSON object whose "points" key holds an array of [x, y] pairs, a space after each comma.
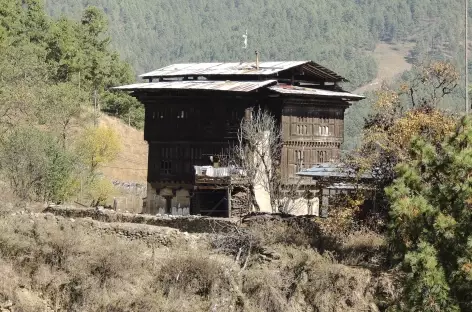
{"points": [[63, 265], [131, 162]]}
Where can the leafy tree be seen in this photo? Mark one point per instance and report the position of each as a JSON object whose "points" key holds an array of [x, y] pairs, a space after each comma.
{"points": [[98, 146], [47, 77], [62, 108], [124, 106], [36, 166], [431, 222]]}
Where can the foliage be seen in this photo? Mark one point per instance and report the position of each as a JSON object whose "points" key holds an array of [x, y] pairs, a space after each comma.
{"points": [[99, 191], [49, 71], [431, 222], [400, 115], [97, 146], [62, 108], [126, 107], [36, 165]]}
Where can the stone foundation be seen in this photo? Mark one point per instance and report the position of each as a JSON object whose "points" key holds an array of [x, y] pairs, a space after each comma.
{"points": [[157, 202]]}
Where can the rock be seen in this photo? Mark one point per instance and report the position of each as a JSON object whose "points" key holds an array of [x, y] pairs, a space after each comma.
{"points": [[269, 253], [7, 304]]}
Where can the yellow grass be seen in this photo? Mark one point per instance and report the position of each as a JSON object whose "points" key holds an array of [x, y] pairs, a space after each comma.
{"points": [[131, 163]]}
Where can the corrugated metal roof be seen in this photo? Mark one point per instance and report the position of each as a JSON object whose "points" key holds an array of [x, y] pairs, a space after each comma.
{"points": [[235, 86], [348, 186], [228, 69], [289, 89], [331, 170]]}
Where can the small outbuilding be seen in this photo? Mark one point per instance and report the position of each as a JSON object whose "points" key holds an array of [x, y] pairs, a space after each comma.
{"points": [[335, 179]]}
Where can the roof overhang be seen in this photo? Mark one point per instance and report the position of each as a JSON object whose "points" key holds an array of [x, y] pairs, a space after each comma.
{"points": [[311, 92], [333, 170], [228, 86]]}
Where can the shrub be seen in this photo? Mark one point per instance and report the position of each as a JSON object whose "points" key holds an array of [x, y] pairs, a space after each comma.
{"points": [[37, 166], [193, 274], [266, 288], [100, 190]]}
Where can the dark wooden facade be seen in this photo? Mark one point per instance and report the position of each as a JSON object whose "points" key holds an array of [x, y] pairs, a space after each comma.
{"points": [[184, 127], [312, 133]]}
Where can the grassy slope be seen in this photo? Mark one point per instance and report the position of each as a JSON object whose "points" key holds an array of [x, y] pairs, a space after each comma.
{"points": [[391, 61], [131, 163]]}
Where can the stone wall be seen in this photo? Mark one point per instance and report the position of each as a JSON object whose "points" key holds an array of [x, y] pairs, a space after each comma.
{"points": [[190, 224]]}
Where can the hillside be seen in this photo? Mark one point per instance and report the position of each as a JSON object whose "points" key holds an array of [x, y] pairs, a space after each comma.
{"points": [[131, 162], [392, 62], [339, 34]]}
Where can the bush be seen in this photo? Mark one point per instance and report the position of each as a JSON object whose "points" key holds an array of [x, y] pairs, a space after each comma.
{"points": [[193, 274], [99, 191], [37, 166]]}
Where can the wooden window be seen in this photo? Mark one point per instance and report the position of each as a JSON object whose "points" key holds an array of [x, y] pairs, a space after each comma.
{"points": [[166, 167], [302, 129], [300, 160], [322, 157], [323, 130], [158, 115], [182, 114]]}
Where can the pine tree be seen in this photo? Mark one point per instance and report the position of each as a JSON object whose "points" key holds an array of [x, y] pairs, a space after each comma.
{"points": [[431, 223]]}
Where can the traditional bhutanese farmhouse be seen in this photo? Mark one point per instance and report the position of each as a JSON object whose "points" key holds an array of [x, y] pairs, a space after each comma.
{"points": [[194, 111]]}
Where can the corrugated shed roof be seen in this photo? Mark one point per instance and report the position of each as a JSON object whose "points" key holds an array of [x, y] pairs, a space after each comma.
{"points": [[235, 86], [289, 89], [228, 69], [331, 170]]}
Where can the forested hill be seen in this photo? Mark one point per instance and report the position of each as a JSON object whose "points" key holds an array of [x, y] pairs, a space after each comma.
{"points": [[339, 34]]}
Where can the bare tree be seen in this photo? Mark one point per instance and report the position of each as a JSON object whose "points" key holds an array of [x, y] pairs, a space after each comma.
{"points": [[257, 155], [431, 83]]}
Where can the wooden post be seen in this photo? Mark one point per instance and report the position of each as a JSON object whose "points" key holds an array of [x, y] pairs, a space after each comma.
{"points": [[228, 198], [95, 108]]}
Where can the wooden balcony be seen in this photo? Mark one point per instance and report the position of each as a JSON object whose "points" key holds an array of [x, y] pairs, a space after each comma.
{"points": [[207, 177]]}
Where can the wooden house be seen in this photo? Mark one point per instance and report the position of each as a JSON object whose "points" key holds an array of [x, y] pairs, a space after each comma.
{"points": [[193, 113]]}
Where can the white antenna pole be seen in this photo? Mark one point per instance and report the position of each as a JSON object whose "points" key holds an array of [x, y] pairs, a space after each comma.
{"points": [[245, 40]]}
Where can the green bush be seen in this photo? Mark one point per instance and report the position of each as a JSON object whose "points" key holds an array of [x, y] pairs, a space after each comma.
{"points": [[37, 166]]}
